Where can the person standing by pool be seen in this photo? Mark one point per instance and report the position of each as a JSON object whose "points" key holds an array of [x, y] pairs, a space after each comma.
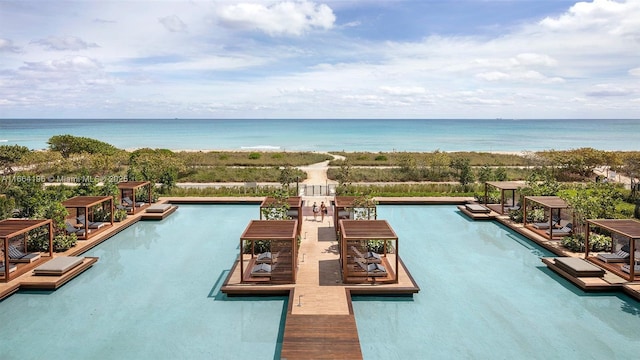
{"points": [[315, 211], [323, 211]]}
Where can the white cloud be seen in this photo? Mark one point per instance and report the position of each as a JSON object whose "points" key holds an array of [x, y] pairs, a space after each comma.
{"points": [[604, 90], [73, 64], [283, 18], [173, 23], [635, 71], [67, 43], [6, 45], [403, 90]]}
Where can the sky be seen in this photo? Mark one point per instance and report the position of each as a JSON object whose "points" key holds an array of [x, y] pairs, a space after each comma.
{"points": [[434, 59]]}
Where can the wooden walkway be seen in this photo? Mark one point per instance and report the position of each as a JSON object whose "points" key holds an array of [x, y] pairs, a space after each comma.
{"points": [[320, 323]]}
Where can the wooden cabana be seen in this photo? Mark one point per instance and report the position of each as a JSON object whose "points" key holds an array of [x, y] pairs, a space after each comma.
{"points": [[505, 187], [12, 229], [551, 204], [128, 191], [346, 208], [368, 251], [626, 228], [81, 213], [294, 212], [277, 261]]}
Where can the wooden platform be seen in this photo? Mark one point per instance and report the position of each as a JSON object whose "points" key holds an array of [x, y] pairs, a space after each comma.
{"points": [[608, 282], [159, 215], [53, 282], [321, 337], [491, 215]]}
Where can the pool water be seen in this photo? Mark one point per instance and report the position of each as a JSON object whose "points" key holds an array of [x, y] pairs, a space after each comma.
{"points": [[485, 294], [154, 294]]}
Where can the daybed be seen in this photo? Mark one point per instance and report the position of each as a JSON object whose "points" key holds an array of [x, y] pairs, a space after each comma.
{"points": [[370, 257], [564, 231], [620, 256], [17, 256], [545, 224], [73, 230], [58, 266], [261, 270], [372, 269], [267, 258], [158, 208], [92, 224], [12, 268], [627, 268], [577, 267], [477, 208], [129, 203]]}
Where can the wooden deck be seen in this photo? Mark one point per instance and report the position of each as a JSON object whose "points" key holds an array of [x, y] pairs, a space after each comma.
{"points": [[477, 215], [608, 282], [24, 278], [320, 337]]}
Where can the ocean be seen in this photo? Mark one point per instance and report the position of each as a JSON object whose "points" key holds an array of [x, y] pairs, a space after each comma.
{"points": [[495, 135]]}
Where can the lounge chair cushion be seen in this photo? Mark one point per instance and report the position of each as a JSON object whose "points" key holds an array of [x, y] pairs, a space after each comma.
{"points": [[578, 267], [16, 255], [477, 208], [158, 208], [58, 266], [261, 270], [12, 268], [627, 268], [619, 256], [266, 258]]}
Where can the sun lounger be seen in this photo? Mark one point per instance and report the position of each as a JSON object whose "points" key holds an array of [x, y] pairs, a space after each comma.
{"points": [[266, 258], [564, 231], [545, 224], [158, 208], [17, 256], [577, 267], [370, 257], [74, 230], [129, 203], [372, 269], [12, 268], [627, 268], [261, 270], [477, 208], [617, 257], [58, 266], [92, 225]]}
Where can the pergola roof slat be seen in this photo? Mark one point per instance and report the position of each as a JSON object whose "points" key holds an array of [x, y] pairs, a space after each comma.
{"points": [[270, 230], [626, 227], [553, 202], [85, 201], [10, 228], [367, 229]]}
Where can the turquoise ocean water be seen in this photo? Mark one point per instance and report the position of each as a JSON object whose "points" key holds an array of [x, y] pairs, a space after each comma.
{"points": [[333, 134]]}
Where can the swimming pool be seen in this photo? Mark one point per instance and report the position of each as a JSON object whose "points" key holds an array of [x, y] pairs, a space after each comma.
{"points": [[485, 294], [154, 295]]}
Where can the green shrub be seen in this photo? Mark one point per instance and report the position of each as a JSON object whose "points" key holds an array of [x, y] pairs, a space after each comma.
{"points": [[381, 158], [64, 242], [597, 242], [254, 156], [119, 215]]}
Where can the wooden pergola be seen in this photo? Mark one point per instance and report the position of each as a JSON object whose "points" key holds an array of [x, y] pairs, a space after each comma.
{"points": [[355, 237], [343, 209], [629, 228], [282, 236], [550, 203], [11, 228], [295, 208], [504, 187], [128, 190], [83, 205]]}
